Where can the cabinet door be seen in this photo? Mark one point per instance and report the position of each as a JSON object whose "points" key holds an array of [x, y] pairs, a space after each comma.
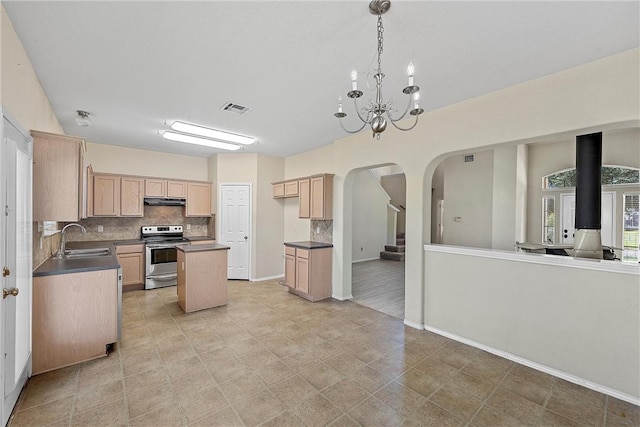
{"points": [[278, 190], [302, 274], [106, 195], [291, 189], [57, 166], [155, 188], [317, 198], [198, 199], [305, 196], [131, 199], [177, 189], [132, 268], [290, 271]]}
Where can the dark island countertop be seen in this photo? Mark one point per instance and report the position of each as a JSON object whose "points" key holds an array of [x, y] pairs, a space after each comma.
{"points": [[202, 248], [308, 244]]}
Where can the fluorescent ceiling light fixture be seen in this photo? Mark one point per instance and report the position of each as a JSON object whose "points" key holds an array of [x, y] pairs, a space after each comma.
{"points": [[189, 139], [212, 133]]}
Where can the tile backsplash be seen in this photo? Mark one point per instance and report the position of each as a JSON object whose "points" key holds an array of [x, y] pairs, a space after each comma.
{"points": [[321, 231], [115, 228]]}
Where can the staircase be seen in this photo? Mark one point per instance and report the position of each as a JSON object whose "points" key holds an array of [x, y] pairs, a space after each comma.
{"points": [[394, 252]]}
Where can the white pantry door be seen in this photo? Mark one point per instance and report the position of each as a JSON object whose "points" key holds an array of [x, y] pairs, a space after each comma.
{"points": [[235, 221], [15, 258]]}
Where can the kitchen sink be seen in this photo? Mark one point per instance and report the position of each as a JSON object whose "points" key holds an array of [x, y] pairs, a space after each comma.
{"points": [[85, 253]]}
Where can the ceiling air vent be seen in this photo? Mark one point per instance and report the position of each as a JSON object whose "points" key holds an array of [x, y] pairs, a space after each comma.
{"points": [[236, 108]]}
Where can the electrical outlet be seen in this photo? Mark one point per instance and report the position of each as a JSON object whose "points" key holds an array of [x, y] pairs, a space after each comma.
{"points": [[317, 230], [100, 229], [188, 226]]}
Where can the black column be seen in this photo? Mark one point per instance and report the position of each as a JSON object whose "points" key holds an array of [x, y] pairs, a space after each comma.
{"points": [[588, 181]]}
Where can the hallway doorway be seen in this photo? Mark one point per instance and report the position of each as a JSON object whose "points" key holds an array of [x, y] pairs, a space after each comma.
{"points": [[379, 284]]}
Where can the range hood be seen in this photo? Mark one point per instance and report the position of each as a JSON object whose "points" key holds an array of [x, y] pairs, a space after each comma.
{"points": [[159, 201]]}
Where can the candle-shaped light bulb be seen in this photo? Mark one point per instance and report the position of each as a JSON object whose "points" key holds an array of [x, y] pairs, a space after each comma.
{"points": [[410, 71], [416, 98], [339, 104], [354, 79]]}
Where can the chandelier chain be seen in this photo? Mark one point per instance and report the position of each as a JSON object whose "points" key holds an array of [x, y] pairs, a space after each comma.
{"points": [[380, 42]]}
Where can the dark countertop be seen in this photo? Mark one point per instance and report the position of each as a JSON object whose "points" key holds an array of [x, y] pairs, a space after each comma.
{"points": [[202, 248], [54, 266], [307, 244]]}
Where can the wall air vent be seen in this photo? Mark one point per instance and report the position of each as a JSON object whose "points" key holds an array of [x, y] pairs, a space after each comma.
{"points": [[236, 108], [469, 158]]}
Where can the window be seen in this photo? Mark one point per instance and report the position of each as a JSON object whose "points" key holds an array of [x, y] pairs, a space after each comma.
{"points": [[630, 212], [549, 219], [611, 175]]}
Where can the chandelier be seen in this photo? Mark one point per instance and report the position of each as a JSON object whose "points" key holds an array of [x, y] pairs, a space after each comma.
{"points": [[374, 114]]}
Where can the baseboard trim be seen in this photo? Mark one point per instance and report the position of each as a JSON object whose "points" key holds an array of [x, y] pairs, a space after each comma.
{"points": [[262, 279], [414, 325], [342, 298], [542, 368]]}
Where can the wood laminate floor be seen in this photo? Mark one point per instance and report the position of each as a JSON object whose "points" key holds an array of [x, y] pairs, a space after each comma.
{"points": [[379, 284]]}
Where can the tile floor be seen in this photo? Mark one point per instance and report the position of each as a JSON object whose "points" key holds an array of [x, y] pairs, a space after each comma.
{"points": [[270, 358]]}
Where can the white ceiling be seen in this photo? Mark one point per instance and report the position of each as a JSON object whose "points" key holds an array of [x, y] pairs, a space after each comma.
{"points": [[135, 65]]}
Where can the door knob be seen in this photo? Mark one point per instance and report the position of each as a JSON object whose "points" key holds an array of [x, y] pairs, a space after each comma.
{"points": [[13, 291], [5, 271], [246, 237]]}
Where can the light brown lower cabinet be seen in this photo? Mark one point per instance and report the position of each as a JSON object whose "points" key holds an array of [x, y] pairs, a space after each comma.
{"points": [[307, 272], [202, 276], [74, 318], [131, 259]]}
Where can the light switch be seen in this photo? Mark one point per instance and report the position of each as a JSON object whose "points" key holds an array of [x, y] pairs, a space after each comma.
{"points": [[100, 229]]}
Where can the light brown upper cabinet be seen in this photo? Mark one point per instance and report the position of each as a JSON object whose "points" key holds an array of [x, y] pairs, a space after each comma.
{"points": [[155, 187], [58, 178], [115, 195], [131, 196], [198, 199], [164, 188], [106, 195], [285, 189], [177, 189], [321, 200], [304, 190]]}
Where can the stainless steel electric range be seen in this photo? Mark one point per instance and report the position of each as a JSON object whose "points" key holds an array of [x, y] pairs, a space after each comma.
{"points": [[161, 254]]}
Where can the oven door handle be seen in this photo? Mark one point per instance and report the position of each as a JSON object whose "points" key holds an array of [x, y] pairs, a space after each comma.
{"points": [[156, 246], [164, 277]]}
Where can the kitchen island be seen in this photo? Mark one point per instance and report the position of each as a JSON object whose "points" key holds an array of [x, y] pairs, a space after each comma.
{"points": [[202, 276]]}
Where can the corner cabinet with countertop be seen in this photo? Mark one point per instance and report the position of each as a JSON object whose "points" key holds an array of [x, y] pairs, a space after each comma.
{"points": [[308, 268], [202, 276], [77, 306], [59, 177], [315, 195]]}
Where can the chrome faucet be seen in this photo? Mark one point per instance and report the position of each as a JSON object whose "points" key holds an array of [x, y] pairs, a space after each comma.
{"points": [[63, 241]]}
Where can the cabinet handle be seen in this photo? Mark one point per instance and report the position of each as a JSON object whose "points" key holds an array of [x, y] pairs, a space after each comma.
{"points": [[5, 271], [13, 291]]}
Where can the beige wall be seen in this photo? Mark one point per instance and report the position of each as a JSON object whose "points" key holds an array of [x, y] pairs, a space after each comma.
{"points": [[267, 213], [396, 185], [22, 95], [24, 100], [369, 223], [468, 200], [130, 161], [598, 95]]}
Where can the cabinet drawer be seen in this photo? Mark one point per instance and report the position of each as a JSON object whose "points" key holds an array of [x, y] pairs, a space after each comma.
{"points": [[302, 253], [289, 251], [129, 249]]}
